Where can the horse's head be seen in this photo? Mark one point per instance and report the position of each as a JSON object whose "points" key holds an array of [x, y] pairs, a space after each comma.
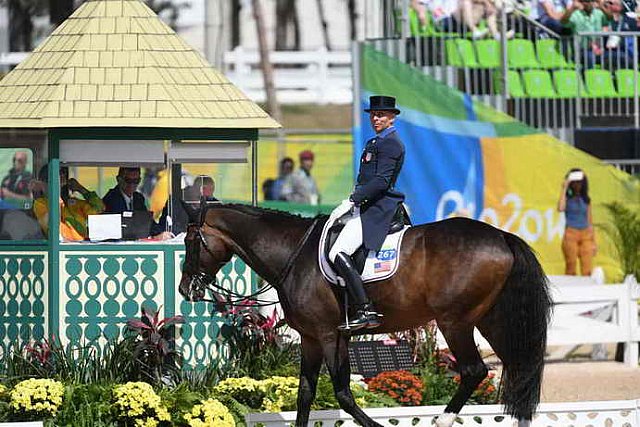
{"points": [[206, 251]]}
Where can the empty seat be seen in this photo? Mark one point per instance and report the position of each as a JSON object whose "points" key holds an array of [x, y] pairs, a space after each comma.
{"points": [[624, 80], [460, 53], [568, 84], [488, 53], [453, 56], [515, 84], [520, 54], [600, 84], [537, 84], [549, 56]]}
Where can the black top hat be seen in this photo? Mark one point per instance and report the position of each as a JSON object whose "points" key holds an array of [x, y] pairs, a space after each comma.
{"points": [[382, 103]]}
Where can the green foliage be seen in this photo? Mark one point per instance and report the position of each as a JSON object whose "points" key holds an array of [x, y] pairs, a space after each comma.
{"points": [[624, 232], [86, 405]]}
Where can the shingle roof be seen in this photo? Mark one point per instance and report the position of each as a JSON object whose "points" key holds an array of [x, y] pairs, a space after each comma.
{"points": [[115, 63]]}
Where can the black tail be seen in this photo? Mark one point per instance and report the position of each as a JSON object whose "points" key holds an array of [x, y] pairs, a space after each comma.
{"points": [[523, 310]]}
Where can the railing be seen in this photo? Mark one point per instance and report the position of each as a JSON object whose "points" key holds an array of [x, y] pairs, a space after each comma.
{"points": [[320, 76], [621, 413], [11, 59], [629, 166]]}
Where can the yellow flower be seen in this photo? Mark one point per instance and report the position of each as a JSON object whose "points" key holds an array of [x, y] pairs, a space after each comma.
{"points": [[138, 402], [40, 395], [210, 413]]}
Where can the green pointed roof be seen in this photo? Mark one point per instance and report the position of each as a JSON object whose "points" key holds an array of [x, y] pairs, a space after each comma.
{"points": [[115, 63]]}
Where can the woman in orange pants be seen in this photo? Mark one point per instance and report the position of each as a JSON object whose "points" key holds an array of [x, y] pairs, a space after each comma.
{"points": [[579, 239]]}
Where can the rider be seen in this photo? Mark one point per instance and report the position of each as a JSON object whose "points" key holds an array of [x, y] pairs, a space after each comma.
{"points": [[372, 204]]}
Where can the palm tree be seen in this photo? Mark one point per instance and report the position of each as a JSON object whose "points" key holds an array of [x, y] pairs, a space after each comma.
{"points": [[624, 232]]}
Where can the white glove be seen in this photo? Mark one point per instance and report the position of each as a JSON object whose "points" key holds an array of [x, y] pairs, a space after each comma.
{"points": [[344, 207]]}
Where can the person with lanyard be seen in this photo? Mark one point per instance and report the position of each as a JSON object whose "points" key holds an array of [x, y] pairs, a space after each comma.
{"points": [[372, 205]]}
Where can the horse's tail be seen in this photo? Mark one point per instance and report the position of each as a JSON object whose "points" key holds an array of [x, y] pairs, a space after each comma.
{"points": [[522, 311]]}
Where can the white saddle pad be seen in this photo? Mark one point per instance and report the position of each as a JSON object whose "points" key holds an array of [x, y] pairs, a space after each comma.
{"points": [[378, 266]]}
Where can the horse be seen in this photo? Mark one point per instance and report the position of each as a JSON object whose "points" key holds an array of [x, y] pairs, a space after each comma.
{"points": [[461, 272]]}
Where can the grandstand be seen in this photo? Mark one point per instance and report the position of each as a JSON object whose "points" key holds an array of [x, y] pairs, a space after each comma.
{"points": [[539, 77]]}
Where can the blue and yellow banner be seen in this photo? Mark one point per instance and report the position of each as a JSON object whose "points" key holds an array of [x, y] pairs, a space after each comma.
{"points": [[464, 158]]}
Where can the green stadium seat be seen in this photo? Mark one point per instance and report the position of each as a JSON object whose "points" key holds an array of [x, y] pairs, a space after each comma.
{"points": [[600, 84], [568, 83], [537, 84], [460, 53], [453, 56], [513, 80], [488, 53], [416, 29], [624, 80], [521, 54], [549, 56]]}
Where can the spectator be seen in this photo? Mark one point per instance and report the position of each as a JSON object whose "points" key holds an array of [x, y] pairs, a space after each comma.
{"points": [[471, 12], [440, 12], [579, 240], [300, 187], [73, 211], [550, 12], [124, 197], [286, 169], [619, 50], [16, 184], [584, 16], [206, 187]]}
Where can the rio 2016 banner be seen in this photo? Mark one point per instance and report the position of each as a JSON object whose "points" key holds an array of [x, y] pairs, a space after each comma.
{"points": [[466, 159]]}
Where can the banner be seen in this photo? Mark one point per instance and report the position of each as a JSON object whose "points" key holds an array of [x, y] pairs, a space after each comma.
{"points": [[466, 159]]}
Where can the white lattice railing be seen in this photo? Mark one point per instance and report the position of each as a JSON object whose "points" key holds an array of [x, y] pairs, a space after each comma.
{"points": [[617, 413]]}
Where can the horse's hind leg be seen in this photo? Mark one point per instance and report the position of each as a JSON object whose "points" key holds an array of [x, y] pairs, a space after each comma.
{"points": [[309, 370], [470, 366], [336, 355]]}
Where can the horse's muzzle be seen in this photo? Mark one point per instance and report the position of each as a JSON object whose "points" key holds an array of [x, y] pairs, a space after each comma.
{"points": [[194, 288]]}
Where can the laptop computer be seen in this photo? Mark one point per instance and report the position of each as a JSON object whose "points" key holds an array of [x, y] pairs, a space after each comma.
{"points": [[136, 224]]}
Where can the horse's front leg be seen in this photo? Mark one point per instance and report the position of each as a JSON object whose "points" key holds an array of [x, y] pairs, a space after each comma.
{"points": [[309, 369], [336, 354]]}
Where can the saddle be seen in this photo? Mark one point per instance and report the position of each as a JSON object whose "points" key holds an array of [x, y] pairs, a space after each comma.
{"points": [[372, 266]]}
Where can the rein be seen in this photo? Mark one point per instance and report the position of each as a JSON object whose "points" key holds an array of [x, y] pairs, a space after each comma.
{"points": [[200, 277]]}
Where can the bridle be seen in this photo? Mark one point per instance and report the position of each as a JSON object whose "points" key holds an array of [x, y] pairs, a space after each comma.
{"points": [[202, 281]]}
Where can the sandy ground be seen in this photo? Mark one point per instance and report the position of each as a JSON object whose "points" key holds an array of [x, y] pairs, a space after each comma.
{"points": [[579, 381]]}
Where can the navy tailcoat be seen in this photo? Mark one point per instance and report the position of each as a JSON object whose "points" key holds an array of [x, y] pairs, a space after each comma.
{"points": [[380, 165]]}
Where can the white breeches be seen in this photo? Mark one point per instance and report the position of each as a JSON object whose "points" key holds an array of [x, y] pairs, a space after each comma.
{"points": [[350, 238]]}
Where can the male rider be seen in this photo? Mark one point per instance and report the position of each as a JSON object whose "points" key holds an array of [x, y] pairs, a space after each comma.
{"points": [[372, 204]]}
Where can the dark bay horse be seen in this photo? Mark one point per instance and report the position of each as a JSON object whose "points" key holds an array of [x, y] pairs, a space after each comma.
{"points": [[461, 272]]}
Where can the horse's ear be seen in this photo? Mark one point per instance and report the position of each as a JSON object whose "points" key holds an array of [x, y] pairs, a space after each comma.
{"points": [[192, 214]]}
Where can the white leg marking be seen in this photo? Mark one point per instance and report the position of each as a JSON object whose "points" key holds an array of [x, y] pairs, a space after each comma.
{"points": [[524, 423], [446, 420]]}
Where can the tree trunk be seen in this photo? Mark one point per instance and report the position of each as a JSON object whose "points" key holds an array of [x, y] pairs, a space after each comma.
{"points": [[287, 25], [59, 10], [20, 27], [236, 7], [324, 25], [265, 64], [353, 18]]}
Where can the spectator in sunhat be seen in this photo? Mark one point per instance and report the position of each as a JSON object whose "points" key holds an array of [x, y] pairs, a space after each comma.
{"points": [[299, 186], [371, 206]]}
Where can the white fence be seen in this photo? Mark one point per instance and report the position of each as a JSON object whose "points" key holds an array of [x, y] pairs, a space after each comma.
{"points": [[8, 59], [586, 312], [314, 77], [622, 413]]}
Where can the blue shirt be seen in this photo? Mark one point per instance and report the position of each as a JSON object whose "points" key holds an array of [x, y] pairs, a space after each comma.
{"points": [[576, 213]]}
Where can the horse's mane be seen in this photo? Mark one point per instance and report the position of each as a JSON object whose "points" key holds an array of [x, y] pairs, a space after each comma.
{"points": [[262, 212]]}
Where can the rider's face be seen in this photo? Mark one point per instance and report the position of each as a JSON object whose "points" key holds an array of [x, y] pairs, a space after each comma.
{"points": [[380, 120]]}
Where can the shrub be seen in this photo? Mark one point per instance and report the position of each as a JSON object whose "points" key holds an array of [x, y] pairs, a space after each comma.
{"points": [[208, 414], [402, 386], [624, 231], [280, 394], [136, 403], [245, 390], [36, 399]]}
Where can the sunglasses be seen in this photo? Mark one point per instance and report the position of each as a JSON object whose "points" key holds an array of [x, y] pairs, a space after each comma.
{"points": [[132, 180]]}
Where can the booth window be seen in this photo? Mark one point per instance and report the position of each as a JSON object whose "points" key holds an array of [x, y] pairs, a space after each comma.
{"points": [[23, 180]]}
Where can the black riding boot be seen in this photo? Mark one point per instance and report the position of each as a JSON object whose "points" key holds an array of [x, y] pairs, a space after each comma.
{"points": [[365, 316]]}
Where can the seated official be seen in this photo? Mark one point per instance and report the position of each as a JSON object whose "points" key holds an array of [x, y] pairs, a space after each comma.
{"points": [[73, 211], [125, 197]]}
